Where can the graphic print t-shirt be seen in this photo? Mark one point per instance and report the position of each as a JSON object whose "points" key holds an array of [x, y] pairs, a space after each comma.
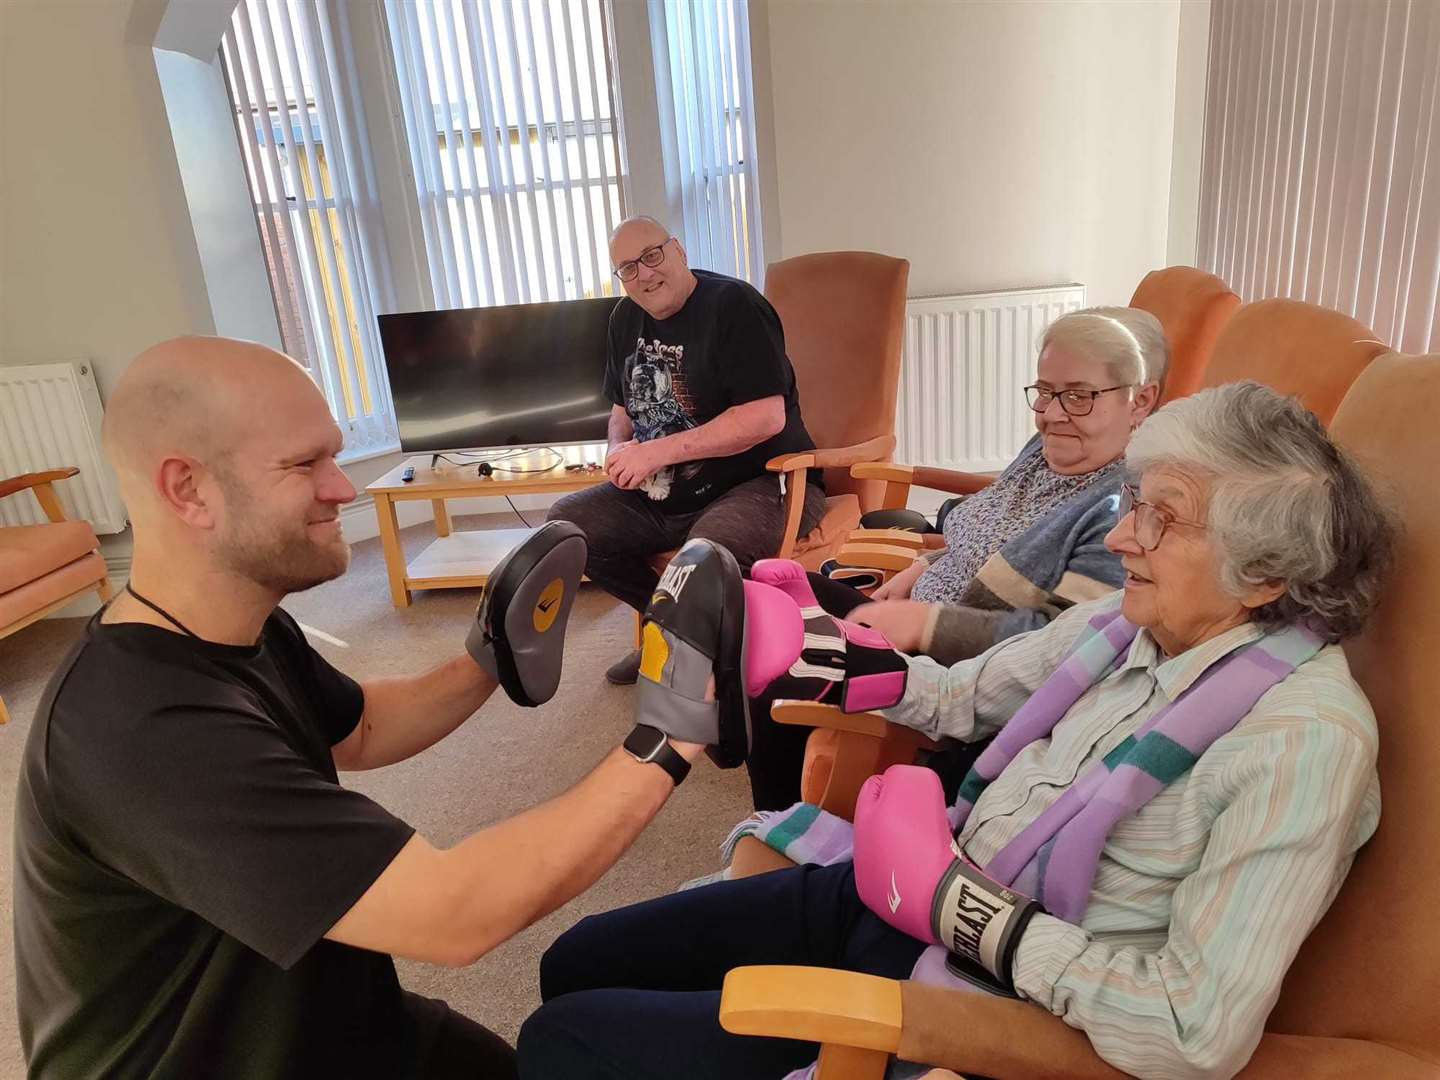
{"points": [[725, 347]]}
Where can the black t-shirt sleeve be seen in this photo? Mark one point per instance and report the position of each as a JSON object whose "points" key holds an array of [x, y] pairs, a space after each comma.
{"points": [[751, 349], [339, 699], [212, 809], [615, 355]]}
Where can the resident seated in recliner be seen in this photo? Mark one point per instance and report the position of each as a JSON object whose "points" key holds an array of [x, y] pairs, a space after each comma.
{"points": [[1027, 547], [1182, 774]]}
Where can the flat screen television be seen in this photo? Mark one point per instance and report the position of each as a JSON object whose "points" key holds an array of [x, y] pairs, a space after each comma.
{"points": [[516, 375]]}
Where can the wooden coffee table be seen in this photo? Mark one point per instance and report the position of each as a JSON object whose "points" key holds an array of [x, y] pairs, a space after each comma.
{"points": [[461, 560]]}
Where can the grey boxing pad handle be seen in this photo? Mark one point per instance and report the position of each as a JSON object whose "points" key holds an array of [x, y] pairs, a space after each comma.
{"points": [[519, 630]]}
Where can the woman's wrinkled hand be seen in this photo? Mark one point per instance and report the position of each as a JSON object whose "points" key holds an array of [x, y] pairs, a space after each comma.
{"points": [[903, 622], [899, 586]]}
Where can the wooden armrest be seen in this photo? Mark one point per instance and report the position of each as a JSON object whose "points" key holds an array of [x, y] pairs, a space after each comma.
{"points": [[821, 1005], [34, 479], [834, 458], [878, 556], [815, 714], [892, 537], [42, 484], [948, 480]]}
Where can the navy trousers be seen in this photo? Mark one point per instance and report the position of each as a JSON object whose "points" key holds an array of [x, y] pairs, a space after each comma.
{"points": [[635, 994]]}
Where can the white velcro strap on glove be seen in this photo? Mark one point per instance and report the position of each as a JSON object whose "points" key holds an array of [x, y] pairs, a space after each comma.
{"points": [[980, 922]]}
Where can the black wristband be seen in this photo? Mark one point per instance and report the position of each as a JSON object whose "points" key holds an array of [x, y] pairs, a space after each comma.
{"points": [[980, 922], [649, 744]]}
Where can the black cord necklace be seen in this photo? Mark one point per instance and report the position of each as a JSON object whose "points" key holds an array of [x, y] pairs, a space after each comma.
{"points": [[160, 611]]}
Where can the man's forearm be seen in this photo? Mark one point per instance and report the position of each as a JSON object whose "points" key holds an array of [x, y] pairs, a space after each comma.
{"points": [[521, 869], [620, 429], [406, 715], [734, 431], [990, 1036]]}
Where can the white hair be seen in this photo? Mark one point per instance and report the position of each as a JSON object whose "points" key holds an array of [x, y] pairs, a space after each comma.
{"points": [[1129, 342], [646, 218], [1284, 503]]}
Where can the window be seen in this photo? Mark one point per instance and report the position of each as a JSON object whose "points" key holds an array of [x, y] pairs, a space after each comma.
{"points": [[1317, 181], [503, 120], [280, 60], [510, 112], [707, 113]]}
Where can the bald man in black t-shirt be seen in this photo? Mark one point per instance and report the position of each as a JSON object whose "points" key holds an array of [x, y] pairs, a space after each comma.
{"points": [[195, 894]]}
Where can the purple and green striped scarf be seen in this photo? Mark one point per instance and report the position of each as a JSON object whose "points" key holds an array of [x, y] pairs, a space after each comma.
{"points": [[1063, 844]]}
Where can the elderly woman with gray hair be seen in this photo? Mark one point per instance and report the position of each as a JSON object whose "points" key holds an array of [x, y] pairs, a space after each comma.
{"points": [[1181, 774], [1028, 546]]}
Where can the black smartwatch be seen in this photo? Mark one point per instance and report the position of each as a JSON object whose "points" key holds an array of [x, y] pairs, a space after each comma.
{"points": [[645, 743]]}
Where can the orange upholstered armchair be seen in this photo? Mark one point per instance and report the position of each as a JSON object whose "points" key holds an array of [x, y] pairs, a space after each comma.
{"points": [[843, 313], [44, 567], [1193, 307], [1297, 348], [1360, 997]]}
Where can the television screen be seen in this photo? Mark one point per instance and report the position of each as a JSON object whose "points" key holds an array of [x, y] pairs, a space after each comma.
{"points": [[519, 375]]}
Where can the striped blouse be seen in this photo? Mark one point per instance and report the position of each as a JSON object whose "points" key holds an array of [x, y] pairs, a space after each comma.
{"points": [[1204, 896]]}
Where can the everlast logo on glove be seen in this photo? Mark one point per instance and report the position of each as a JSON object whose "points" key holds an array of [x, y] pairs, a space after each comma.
{"points": [[673, 580], [973, 914]]}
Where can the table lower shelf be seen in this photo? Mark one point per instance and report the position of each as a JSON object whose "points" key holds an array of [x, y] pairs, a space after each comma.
{"points": [[462, 559]]}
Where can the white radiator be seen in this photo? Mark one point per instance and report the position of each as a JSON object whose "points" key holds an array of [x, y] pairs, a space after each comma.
{"points": [[50, 419], [966, 362]]}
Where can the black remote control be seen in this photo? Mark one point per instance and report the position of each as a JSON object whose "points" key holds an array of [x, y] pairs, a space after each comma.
{"points": [[408, 474]]}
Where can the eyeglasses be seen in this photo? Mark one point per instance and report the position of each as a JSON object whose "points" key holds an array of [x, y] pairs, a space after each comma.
{"points": [[651, 256], [1073, 402], [1150, 520]]}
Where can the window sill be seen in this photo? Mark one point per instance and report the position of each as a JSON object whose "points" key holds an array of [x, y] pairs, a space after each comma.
{"points": [[350, 457]]}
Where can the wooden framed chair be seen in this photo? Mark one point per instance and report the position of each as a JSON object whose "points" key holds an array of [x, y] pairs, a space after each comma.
{"points": [[44, 567], [1360, 998], [1193, 307]]}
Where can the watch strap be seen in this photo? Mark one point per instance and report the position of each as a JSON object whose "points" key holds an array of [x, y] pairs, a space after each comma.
{"points": [[649, 744]]}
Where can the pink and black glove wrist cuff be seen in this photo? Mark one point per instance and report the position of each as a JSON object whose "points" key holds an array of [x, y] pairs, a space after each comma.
{"points": [[980, 923]]}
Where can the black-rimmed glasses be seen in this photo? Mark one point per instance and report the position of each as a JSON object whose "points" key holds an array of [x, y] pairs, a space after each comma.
{"points": [[1150, 520], [651, 257], [1073, 402]]}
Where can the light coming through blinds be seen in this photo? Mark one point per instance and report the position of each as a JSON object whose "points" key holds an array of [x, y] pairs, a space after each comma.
{"points": [[303, 152], [511, 122], [707, 110], [1321, 173]]}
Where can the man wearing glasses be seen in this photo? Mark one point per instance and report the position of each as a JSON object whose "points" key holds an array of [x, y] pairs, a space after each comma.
{"points": [[702, 396]]}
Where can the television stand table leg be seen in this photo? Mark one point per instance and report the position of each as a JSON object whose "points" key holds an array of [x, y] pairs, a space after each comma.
{"points": [[390, 545], [442, 517]]}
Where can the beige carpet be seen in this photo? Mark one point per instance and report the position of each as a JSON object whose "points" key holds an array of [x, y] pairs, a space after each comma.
{"points": [[503, 760]]}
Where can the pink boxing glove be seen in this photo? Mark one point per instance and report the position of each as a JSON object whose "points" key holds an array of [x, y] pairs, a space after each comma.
{"points": [[834, 661], [909, 872]]}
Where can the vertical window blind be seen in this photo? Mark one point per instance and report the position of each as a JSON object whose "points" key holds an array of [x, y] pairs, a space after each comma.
{"points": [[707, 111], [1321, 165], [303, 144], [511, 120]]}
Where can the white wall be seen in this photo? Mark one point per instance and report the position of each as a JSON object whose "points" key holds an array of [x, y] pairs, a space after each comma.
{"points": [[97, 256], [1192, 62], [218, 195], [992, 144]]}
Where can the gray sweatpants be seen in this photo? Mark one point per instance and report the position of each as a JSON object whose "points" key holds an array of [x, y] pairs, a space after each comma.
{"points": [[624, 528]]}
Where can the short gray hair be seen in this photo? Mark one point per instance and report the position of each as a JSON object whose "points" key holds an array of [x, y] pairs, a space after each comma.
{"points": [[637, 219], [1129, 342], [1285, 503]]}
